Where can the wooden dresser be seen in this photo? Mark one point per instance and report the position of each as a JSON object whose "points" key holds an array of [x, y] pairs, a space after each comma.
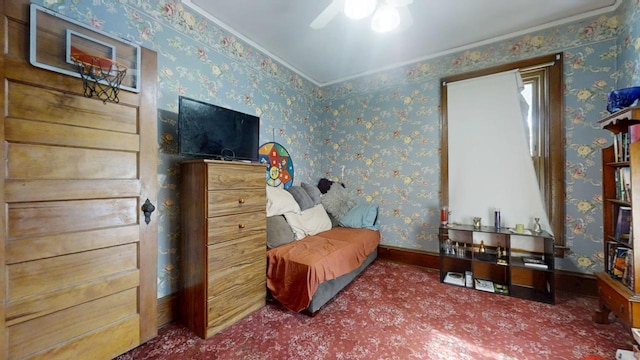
{"points": [[223, 243]]}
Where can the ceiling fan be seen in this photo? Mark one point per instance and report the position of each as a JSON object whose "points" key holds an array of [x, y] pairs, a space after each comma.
{"points": [[387, 16]]}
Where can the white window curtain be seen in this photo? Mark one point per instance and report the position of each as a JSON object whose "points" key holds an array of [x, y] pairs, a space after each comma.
{"points": [[489, 162]]}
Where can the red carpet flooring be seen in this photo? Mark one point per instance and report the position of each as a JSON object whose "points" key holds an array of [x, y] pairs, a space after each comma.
{"points": [[394, 311]]}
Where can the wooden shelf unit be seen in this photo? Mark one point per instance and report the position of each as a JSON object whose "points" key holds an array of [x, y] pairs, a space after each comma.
{"points": [[522, 281], [616, 295]]}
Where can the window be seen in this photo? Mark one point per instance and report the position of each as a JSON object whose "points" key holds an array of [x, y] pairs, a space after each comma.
{"points": [[542, 78], [535, 83]]}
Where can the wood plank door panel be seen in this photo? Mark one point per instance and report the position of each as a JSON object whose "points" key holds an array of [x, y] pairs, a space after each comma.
{"points": [[79, 264]]}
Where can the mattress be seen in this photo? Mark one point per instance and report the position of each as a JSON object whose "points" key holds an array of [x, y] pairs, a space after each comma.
{"points": [[295, 270]]}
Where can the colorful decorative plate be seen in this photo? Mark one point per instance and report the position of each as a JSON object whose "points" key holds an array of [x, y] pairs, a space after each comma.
{"points": [[280, 165]]}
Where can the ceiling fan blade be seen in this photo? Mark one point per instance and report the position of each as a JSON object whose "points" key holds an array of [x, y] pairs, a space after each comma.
{"points": [[406, 20], [405, 16], [398, 3], [327, 14]]}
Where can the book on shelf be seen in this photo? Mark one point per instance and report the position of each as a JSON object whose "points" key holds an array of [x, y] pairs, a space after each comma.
{"points": [[626, 183], [634, 133], [615, 147], [612, 246], [534, 261], [621, 147], [622, 181], [620, 262], [627, 275], [454, 278], [623, 225], [484, 285]]}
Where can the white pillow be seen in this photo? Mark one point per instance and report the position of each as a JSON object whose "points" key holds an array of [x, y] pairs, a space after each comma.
{"points": [[280, 201], [312, 221]]}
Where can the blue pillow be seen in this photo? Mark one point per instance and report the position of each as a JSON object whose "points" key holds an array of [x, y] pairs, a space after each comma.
{"points": [[361, 216]]}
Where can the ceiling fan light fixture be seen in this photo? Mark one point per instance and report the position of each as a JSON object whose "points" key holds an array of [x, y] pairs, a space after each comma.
{"points": [[359, 9], [385, 19]]}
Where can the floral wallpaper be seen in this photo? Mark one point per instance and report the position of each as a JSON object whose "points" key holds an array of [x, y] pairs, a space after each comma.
{"points": [[380, 134], [384, 129]]}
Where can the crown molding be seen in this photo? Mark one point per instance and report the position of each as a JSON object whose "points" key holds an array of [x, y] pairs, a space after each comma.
{"points": [[604, 10]]}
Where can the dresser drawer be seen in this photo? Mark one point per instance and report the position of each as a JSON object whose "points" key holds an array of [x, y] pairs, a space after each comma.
{"points": [[229, 304], [614, 301], [233, 255], [231, 227], [235, 176], [226, 202], [244, 273]]}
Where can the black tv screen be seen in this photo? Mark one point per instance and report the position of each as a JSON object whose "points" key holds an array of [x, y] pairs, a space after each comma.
{"points": [[211, 131]]}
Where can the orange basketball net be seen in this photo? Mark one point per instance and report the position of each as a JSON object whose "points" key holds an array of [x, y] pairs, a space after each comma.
{"points": [[101, 77]]}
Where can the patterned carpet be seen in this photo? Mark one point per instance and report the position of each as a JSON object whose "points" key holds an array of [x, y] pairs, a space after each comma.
{"points": [[394, 311]]}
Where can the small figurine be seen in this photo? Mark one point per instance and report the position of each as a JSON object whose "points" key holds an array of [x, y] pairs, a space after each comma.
{"points": [[482, 246], [536, 227]]}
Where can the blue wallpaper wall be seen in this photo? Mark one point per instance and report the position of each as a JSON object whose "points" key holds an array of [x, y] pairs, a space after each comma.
{"points": [[383, 128]]}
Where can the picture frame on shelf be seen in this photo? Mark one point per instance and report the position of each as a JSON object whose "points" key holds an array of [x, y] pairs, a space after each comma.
{"points": [[484, 285], [501, 289]]}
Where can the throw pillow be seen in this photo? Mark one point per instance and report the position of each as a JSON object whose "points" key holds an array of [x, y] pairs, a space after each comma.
{"points": [[312, 221], [278, 231], [302, 198], [324, 185], [313, 192], [334, 221], [361, 216], [280, 201], [337, 201]]}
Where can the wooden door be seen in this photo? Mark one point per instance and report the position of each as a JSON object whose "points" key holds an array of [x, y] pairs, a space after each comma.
{"points": [[78, 262]]}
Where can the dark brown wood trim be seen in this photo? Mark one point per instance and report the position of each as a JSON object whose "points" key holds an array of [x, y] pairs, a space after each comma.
{"points": [[565, 281], [576, 283], [167, 309], [409, 257]]}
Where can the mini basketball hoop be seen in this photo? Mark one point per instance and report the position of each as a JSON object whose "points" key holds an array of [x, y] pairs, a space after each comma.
{"points": [[101, 77]]}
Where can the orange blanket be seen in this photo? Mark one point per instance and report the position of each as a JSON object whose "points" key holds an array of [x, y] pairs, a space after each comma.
{"points": [[295, 270]]}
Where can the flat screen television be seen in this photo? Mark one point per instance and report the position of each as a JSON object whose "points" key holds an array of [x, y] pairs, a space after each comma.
{"points": [[210, 131]]}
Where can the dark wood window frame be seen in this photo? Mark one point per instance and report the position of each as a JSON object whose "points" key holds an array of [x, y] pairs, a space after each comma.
{"points": [[553, 152]]}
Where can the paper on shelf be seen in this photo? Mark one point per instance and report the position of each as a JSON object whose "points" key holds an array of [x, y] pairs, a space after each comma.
{"points": [[454, 278], [525, 232]]}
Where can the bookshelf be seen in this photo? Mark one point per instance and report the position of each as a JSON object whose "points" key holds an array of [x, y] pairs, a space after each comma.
{"points": [[499, 261], [618, 292]]}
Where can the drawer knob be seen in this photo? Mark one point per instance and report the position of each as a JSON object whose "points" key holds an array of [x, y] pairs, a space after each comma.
{"points": [[240, 226], [241, 201]]}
